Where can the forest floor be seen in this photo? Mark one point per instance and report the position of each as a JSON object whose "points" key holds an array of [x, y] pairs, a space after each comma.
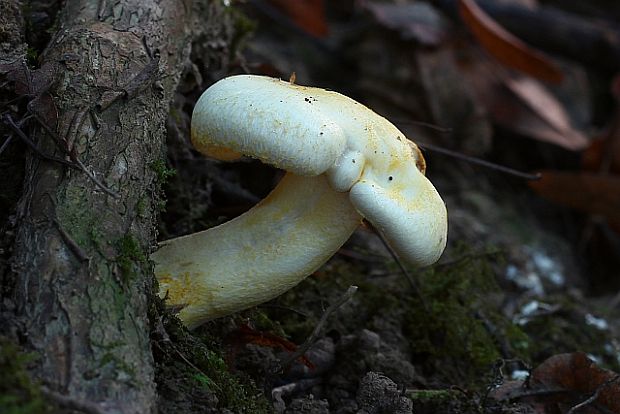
{"points": [[522, 280]]}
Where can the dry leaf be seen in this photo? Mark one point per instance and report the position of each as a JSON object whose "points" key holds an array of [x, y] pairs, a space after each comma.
{"points": [[505, 47], [549, 110], [414, 21], [309, 15], [244, 334], [594, 156], [590, 193], [578, 374]]}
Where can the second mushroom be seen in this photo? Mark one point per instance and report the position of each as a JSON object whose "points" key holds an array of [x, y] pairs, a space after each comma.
{"points": [[344, 162]]}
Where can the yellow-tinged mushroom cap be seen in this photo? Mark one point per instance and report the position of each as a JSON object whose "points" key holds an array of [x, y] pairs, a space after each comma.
{"points": [[311, 131], [343, 159]]}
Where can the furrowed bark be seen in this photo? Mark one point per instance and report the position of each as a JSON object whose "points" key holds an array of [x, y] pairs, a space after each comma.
{"points": [[80, 258]]}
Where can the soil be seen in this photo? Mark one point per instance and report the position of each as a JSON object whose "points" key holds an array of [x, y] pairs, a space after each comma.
{"points": [[512, 289]]}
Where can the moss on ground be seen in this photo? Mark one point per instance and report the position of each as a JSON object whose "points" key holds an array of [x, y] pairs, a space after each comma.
{"points": [[18, 393], [454, 328], [192, 374], [567, 330], [461, 332], [442, 401]]}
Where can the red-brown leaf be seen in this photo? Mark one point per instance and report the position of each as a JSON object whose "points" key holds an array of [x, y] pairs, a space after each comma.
{"points": [[593, 157], [505, 47], [245, 334], [587, 192], [309, 15], [575, 372]]}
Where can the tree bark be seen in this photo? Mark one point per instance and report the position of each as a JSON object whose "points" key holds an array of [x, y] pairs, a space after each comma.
{"points": [[80, 263]]}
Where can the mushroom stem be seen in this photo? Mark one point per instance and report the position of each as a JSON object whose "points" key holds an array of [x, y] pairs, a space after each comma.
{"points": [[258, 255]]}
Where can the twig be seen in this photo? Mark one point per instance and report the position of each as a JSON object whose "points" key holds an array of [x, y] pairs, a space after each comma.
{"points": [[6, 143], [468, 256], [96, 180], [74, 127], [101, 8], [72, 403], [77, 163], [317, 329], [402, 267], [479, 161], [594, 396], [428, 125], [180, 354], [77, 250], [135, 85], [8, 120], [284, 308]]}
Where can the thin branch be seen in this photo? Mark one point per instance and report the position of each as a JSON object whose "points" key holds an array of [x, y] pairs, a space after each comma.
{"points": [[77, 163], [479, 161], [77, 250], [8, 120], [402, 267], [96, 180], [6, 143], [318, 328], [594, 396], [428, 125]]}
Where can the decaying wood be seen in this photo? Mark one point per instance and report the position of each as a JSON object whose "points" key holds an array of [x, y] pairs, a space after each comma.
{"points": [[80, 268]]}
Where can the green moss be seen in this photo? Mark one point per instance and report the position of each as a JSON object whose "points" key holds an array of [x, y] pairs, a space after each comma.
{"points": [[130, 256], [162, 171], [142, 207], [76, 218], [163, 174], [187, 360], [444, 401], [431, 395], [18, 394], [203, 380], [566, 330], [32, 56], [461, 333]]}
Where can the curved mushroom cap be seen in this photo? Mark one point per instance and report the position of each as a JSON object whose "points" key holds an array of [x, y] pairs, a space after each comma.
{"points": [[407, 210], [263, 118], [311, 131]]}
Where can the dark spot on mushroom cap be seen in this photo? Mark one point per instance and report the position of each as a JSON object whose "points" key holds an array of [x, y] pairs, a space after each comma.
{"points": [[390, 178], [353, 161]]}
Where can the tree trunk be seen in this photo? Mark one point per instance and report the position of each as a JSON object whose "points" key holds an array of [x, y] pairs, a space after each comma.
{"points": [[80, 262]]}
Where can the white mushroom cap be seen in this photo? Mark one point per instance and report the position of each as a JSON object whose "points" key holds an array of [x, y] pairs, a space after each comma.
{"points": [[311, 131], [258, 117], [344, 162]]}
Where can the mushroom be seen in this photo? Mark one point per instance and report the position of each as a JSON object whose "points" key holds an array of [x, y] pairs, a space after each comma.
{"points": [[344, 162]]}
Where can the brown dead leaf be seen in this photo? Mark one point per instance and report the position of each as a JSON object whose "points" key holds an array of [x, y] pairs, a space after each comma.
{"points": [[576, 373], [505, 47], [603, 154], [546, 107], [309, 15], [245, 334], [413, 21], [513, 104], [593, 157], [587, 192]]}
